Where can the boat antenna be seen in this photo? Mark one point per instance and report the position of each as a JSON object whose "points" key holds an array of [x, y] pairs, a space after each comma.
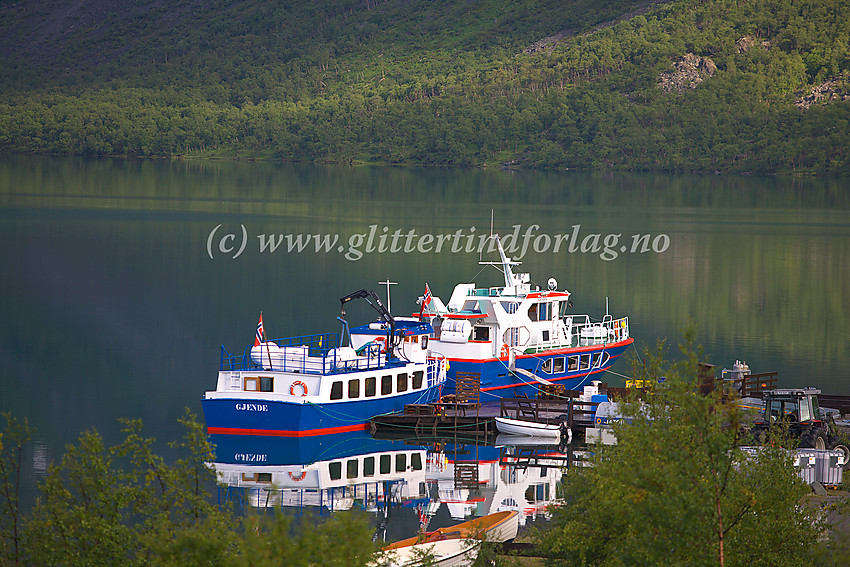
{"points": [[388, 283], [481, 250]]}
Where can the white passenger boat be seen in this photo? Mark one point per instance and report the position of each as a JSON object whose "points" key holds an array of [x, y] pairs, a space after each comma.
{"points": [[517, 337], [317, 384]]}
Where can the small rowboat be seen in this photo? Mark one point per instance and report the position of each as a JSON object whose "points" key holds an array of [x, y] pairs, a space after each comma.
{"points": [[495, 528], [445, 553], [528, 428]]}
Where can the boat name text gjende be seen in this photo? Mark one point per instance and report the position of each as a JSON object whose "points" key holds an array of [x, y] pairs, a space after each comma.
{"points": [[252, 407], [250, 458]]}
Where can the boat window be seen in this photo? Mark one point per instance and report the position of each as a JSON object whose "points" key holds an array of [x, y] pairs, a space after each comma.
{"points": [[386, 385], [532, 312], [416, 461], [401, 462], [543, 312], [336, 390], [369, 466], [385, 464], [251, 384], [573, 364], [423, 342], [510, 306], [351, 468], [481, 333], [605, 358], [258, 477], [401, 382], [546, 336], [266, 384], [547, 365], [335, 470], [417, 379], [558, 365], [585, 362], [371, 387], [597, 360], [354, 388]]}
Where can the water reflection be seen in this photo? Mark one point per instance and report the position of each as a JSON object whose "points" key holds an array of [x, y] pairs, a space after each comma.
{"points": [[408, 485]]}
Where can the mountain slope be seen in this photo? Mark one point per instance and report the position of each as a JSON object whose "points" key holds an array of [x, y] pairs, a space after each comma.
{"points": [[436, 83]]}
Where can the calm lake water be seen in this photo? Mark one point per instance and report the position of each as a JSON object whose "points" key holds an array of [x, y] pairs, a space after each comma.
{"points": [[121, 278]]}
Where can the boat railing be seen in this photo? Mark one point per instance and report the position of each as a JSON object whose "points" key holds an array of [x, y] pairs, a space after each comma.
{"points": [[307, 354], [437, 364], [586, 333]]}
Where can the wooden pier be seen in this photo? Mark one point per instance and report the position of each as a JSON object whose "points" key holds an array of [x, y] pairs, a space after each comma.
{"points": [[478, 419]]}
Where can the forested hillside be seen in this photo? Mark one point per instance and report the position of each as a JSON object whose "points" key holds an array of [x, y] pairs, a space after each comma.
{"points": [[717, 85]]}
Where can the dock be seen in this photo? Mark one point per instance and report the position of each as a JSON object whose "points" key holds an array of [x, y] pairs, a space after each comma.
{"points": [[474, 419]]}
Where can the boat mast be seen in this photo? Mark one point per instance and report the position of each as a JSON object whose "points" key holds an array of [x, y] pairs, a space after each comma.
{"points": [[388, 283], [506, 263]]}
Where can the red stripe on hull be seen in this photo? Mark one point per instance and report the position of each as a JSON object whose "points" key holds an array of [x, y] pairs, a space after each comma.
{"points": [[281, 433], [521, 384]]}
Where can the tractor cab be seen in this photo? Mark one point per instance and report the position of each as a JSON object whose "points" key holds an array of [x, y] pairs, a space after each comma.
{"points": [[791, 405]]}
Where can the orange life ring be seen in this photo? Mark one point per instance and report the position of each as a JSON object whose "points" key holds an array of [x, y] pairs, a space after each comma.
{"points": [[298, 478], [382, 342], [298, 383], [505, 350]]}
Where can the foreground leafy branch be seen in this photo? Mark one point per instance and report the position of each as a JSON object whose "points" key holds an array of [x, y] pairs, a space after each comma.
{"points": [[126, 505], [677, 489]]}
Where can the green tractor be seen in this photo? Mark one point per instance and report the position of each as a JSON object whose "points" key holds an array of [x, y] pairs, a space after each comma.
{"points": [[797, 411]]}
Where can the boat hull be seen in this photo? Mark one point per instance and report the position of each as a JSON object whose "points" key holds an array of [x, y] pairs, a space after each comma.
{"points": [[527, 428], [498, 382], [446, 553], [288, 418]]}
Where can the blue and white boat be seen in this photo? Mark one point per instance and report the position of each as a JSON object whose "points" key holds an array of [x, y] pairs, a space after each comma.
{"points": [[314, 385], [517, 337]]}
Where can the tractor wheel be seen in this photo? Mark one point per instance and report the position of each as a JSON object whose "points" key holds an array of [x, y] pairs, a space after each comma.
{"points": [[846, 452], [813, 438]]}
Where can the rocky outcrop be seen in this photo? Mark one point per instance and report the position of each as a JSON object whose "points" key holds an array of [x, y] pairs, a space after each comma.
{"points": [[748, 42], [547, 42], [688, 72], [834, 89]]}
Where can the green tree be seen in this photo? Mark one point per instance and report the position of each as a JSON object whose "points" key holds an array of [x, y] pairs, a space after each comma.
{"points": [[124, 505], [14, 436], [343, 540], [677, 490]]}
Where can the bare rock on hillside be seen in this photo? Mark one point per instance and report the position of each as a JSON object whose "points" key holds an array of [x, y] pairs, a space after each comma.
{"points": [[836, 89], [748, 42], [688, 72]]}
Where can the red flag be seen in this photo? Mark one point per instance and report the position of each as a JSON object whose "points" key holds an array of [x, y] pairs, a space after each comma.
{"points": [[261, 333]]}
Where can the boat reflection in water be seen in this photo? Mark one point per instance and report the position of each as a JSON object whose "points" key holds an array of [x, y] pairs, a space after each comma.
{"points": [[329, 472], [426, 483]]}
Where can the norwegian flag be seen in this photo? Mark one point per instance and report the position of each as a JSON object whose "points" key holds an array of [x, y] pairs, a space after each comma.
{"points": [[426, 301], [261, 333]]}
